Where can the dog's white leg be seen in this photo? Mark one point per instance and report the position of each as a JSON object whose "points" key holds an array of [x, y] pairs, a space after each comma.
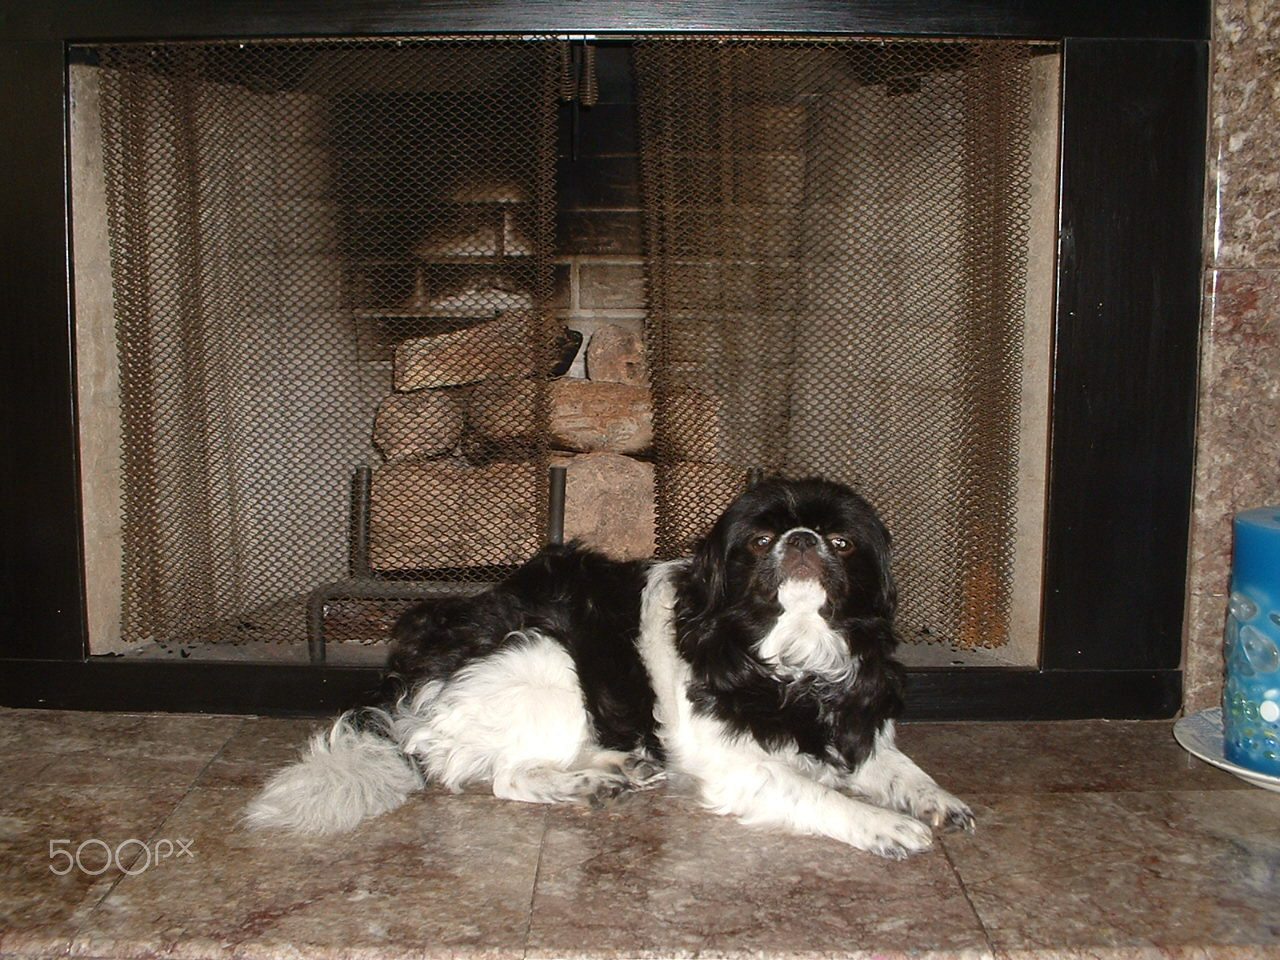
{"points": [[517, 719], [600, 777], [890, 777], [551, 785], [772, 793], [518, 709], [736, 776]]}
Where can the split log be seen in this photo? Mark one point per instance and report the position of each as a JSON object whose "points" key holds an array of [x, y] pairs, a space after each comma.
{"points": [[504, 409], [447, 514], [608, 504], [616, 354], [587, 416], [424, 425], [506, 420], [501, 348]]}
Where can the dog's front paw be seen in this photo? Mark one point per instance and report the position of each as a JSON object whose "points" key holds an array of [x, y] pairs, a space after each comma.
{"points": [[946, 814], [642, 772], [894, 836]]}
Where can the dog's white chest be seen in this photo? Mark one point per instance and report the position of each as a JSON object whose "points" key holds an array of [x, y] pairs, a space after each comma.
{"points": [[801, 640]]}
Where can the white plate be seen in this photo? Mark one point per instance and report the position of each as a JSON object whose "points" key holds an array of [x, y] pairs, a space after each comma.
{"points": [[1201, 734]]}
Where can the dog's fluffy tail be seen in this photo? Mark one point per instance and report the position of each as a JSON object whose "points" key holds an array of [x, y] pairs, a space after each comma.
{"points": [[351, 771]]}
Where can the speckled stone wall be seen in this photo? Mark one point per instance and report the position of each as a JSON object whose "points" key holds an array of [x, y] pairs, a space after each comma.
{"points": [[1238, 454]]}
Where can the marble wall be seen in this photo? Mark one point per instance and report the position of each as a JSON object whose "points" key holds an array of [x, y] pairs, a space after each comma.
{"points": [[1238, 454]]}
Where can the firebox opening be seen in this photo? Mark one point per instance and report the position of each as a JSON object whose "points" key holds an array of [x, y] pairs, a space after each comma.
{"points": [[660, 262]]}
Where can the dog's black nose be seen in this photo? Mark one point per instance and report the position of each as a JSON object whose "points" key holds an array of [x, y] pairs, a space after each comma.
{"points": [[801, 540]]}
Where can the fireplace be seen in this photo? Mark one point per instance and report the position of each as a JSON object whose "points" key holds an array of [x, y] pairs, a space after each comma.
{"points": [[362, 316]]}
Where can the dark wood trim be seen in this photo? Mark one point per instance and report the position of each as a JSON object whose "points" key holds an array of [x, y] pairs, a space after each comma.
{"points": [[116, 683], [189, 19], [41, 603], [1126, 352], [981, 693], [974, 693]]}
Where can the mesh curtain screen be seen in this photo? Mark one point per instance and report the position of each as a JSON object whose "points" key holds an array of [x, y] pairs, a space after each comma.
{"points": [[837, 236], [331, 253], [325, 254]]}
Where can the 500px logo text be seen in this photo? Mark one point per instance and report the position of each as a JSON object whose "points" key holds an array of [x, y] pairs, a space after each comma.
{"points": [[130, 856]]}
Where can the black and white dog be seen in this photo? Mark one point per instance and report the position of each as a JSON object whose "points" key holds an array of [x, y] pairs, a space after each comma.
{"points": [[760, 669]]}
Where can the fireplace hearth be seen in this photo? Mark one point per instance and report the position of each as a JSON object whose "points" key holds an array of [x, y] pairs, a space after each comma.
{"points": [[447, 258]]}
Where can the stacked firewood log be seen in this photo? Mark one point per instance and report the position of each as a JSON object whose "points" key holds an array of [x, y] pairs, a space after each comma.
{"points": [[464, 439]]}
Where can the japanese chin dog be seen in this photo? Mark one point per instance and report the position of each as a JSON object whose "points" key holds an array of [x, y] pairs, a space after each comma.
{"points": [[759, 669]]}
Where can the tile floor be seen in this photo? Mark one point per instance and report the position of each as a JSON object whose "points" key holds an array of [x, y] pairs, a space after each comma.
{"points": [[1096, 839]]}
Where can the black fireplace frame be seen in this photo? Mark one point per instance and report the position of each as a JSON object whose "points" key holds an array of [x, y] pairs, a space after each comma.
{"points": [[1127, 319]]}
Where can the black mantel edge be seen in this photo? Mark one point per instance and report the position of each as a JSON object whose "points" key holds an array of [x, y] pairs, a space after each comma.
{"points": [[969, 693], [202, 19]]}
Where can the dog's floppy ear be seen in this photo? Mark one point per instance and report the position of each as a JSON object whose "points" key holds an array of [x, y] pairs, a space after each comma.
{"points": [[715, 646], [707, 581], [879, 551]]}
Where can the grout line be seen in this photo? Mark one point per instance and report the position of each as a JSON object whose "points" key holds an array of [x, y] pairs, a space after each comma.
{"points": [[964, 890], [533, 887], [92, 911]]}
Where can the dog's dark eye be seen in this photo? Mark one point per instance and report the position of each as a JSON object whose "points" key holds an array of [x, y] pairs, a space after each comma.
{"points": [[761, 542], [839, 544]]}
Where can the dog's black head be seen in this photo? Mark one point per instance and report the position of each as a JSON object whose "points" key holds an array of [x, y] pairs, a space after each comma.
{"points": [[805, 530], [785, 613]]}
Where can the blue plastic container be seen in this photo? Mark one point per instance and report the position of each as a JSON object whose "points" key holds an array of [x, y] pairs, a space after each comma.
{"points": [[1251, 694]]}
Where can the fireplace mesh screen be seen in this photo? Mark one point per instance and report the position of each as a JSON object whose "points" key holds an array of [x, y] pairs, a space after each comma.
{"points": [[327, 254], [837, 246]]}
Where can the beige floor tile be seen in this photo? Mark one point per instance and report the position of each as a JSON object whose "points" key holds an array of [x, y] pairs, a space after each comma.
{"points": [[1057, 757], [440, 877], [1094, 839], [153, 735], [109, 749], [659, 877], [257, 748], [45, 893], [1127, 871]]}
